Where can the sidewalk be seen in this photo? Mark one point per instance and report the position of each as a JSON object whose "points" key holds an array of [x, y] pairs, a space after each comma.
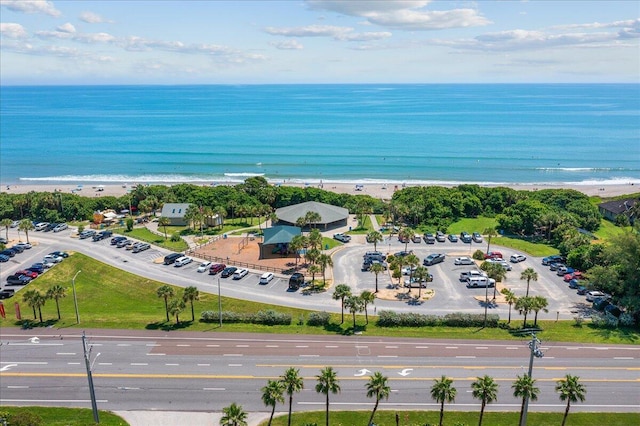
{"points": [[172, 418]]}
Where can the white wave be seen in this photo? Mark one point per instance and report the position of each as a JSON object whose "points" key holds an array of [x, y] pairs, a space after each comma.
{"points": [[580, 169], [243, 174]]}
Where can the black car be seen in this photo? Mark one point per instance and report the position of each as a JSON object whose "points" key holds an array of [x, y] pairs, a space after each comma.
{"points": [[296, 281], [116, 240], [50, 227], [37, 267], [434, 258], [6, 293], [4, 258], [8, 252], [62, 254], [102, 235], [171, 258], [17, 249], [18, 280], [453, 238], [465, 237], [429, 239], [228, 271], [403, 253]]}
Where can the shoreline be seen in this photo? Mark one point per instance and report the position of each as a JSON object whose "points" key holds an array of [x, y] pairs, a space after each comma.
{"points": [[382, 190]]}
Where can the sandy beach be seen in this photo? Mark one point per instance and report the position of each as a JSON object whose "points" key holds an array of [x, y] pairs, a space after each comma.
{"points": [[377, 190]]}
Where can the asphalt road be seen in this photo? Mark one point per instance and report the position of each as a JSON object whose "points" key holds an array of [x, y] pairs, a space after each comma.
{"points": [[135, 370]]}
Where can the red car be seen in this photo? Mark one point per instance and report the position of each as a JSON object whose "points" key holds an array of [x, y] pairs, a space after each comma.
{"points": [[574, 275], [30, 274], [493, 255], [216, 267]]}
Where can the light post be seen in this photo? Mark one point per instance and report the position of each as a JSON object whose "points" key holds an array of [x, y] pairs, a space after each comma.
{"points": [[92, 392], [75, 297], [219, 304], [486, 301], [537, 353]]}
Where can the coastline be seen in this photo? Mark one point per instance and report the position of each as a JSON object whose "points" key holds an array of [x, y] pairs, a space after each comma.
{"points": [[376, 190]]}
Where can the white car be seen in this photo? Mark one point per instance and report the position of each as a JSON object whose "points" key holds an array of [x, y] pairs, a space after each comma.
{"points": [[266, 278], [407, 270], [40, 226], [60, 227], [51, 258], [24, 245], [181, 261], [204, 266], [593, 295], [517, 258], [463, 261], [240, 273], [501, 262]]}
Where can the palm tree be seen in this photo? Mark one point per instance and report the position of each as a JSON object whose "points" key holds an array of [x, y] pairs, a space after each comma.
{"points": [[524, 306], [175, 307], [524, 387], [56, 293], [570, 390], [529, 274], [494, 271], [486, 390], [443, 391], [29, 298], [378, 388], [510, 298], [327, 383], [26, 226], [164, 222], [233, 415], [190, 294], [272, 393], [375, 237], [354, 304], [422, 275], [293, 383], [296, 244], [489, 233], [376, 269], [315, 239], [6, 222], [367, 298], [341, 292], [324, 261], [405, 235], [312, 218], [313, 270], [165, 292], [539, 304], [411, 261]]}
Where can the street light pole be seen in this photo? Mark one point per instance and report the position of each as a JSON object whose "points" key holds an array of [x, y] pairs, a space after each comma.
{"points": [[92, 391], [537, 353], [219, 304], [75, 297]]}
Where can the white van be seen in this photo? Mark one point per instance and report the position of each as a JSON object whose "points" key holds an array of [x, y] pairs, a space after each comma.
{"points": [[477, 282]]}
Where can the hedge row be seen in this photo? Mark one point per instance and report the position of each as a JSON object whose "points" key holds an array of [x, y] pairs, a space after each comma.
{"points": [[268, 317], [457, 319]]}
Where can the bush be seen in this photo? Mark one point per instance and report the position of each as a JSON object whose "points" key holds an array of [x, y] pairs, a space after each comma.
{"points": [[318, 319], [456, 319], [24, 418], [271, 317], [627, 320], [478, 255], [268, 317], [175, 237]]}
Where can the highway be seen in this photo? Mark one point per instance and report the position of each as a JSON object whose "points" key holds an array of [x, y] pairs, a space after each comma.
{"points": [[151, 370]]}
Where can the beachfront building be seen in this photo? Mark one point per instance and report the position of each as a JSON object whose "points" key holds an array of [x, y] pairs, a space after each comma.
{"points": [[330, 216], [276, 240], [175, 213], [612, 209]]}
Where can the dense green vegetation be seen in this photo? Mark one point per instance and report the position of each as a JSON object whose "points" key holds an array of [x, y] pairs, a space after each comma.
{"points": [[57, 416]]}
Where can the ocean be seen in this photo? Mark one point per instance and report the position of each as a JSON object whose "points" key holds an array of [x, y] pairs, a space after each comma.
{"points": [[376, 133]]}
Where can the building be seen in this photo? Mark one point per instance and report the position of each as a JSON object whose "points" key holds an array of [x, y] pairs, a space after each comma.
{"points": [[330, 216], [277, 239], [612, 209], [175, 213]]}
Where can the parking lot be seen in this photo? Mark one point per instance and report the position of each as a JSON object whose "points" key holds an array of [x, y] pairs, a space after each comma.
{"points": [[451, 295]]}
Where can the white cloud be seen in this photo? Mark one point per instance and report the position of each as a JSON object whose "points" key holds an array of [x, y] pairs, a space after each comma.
{"points": [[66, 28], [13, 30], [287, 45], [31, 6], [92, 18], [403, 15], [337, 33]]}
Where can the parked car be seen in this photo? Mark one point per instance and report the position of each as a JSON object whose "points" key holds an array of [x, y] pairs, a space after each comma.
{"points": [[181, 261], [228, 271], [555, 265], [8, 252], [141, 247], [434, 258], [429, 239], [50, 227], [18, 280], [552, 259], [564, 270], [476, 237], [171, 258], [474, 282], [501, 262], [218, 267], [240, 273], [62, 254], [27, 273], [517, 258], [102, 235], [16, 248], [27, 246], [6, 293], [582, 290], [342, 237], [52, 258], [60, 227], [131, 245], [4, 258], [493, 255], [465, 237], [573, 275], [413, 282], [374, 255], [470, 274], [87, 233], [403, 253], [204, 266], [296, 281], [463, 261], [367, 264], [37, 267], [595, 294], [453, 238], [440, 237], [115, 240], [122, 243], [575, 283], [266, 278], [408, 270], [40, 226]]}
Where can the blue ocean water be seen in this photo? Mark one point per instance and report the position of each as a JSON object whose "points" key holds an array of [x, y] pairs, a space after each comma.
{"points": [[530, 133]]}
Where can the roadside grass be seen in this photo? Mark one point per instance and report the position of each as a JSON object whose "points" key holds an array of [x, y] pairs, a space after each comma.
{"points": [[609, 230], [493, 418], [363, 227], [533, 249], [143, 234], [330, 243], [111, 298], [59, 416], [478, 224]]}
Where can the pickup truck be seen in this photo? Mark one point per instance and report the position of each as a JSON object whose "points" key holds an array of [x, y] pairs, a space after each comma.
{"points": [[102, 235], [342, 237]]}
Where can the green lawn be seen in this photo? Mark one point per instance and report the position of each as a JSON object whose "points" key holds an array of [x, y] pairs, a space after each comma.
{"points": [[58, 416], [363, 228], [478, 224], [418, 418], [112, 298], [143, 234], [609, 230]]}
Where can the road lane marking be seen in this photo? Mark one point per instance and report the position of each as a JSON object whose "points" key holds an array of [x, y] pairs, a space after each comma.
{"points": [[155, 354], [213, 346], [17, 387], [272, 346], [235, 365], [451, 347], [302, 346], [152, 345], [139, 363], [231, 354], [203, 365], [623, 357], [214, 389], [422, 347], [308, 356], [387, 356], [242, 346], [124, 344], [105, 363], [65, 353], [172, 365], [481, 347], [465, 356], [331, 346], [73, 363], [183, 346], [54, 401], [511, 348]]}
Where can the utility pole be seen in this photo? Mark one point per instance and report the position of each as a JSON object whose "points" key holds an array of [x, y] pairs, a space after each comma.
{"points": [[92, 392], [219, 304], [534, 345]]}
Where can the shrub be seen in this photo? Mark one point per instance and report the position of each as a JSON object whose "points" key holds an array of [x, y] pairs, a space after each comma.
{"points": [[478, 255], [456, 319], [175, 237], [24, 418], [627, 320], [318, 319], [271, 317]]}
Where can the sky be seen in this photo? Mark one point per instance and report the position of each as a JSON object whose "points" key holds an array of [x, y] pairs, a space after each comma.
{"points": [[318, 41]]}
